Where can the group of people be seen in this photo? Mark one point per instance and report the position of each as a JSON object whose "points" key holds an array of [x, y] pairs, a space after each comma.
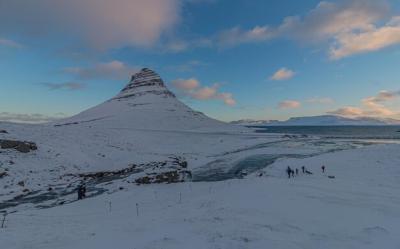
{"points": [[291, 173]]}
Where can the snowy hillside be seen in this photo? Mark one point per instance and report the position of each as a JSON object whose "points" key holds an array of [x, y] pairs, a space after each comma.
{"points": [[320, 121], [145, 103], [143, 126]]}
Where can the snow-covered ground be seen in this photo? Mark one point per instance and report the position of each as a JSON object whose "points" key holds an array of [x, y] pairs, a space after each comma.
{"points": [[145, 131], [359, 208]]}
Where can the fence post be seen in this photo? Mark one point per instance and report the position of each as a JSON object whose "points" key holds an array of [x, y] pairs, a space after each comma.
{"points": [[3, 222]]}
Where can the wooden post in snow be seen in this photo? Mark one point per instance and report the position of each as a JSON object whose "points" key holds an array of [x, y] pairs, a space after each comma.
{"points": [[3, 222]]}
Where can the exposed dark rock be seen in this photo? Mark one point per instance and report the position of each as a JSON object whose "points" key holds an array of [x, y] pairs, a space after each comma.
{"points": [[145, 78], [170, 171], [174, 176], [3, 132], [21, 146], [102, 174], [3, 174]]}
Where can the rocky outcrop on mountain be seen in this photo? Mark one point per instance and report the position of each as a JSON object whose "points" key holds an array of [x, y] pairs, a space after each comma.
{"points": [[3, 132], [21, 146], [145, 82]]}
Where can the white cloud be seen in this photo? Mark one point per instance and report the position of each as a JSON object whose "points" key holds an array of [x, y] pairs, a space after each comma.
{"points": [[193, 89], [29, 118], [329, 19], [115, 70], [72, 86], [283, 74], [187, 66], [101, 24], [10, 43], [289, 104], [236, 36], [318, 100]]}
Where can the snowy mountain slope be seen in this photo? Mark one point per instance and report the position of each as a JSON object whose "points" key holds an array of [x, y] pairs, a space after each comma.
{"points": [[146, 103], [321, 121]]}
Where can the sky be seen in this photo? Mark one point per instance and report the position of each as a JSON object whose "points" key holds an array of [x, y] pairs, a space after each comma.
{"points": [[231, 59]]}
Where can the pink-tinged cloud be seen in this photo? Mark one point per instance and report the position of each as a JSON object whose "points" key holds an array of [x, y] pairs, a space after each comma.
{"points": [[193, 89], [373, 39], [186, 84], [283, 74], [289, 104], [102, 24], [114, 70], [204, 93], [371, 106], [348, 111], [349, 26]]}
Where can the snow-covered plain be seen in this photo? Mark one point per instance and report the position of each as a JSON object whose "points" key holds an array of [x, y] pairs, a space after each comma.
{"points": [[145, 124], [357, 209]]}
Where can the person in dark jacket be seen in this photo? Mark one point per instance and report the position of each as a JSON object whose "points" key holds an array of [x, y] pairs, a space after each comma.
{"points": [[297, 171], [81, 191], [289, 171], [303, 169], [80, 197], [323, 168], [84, 190]]}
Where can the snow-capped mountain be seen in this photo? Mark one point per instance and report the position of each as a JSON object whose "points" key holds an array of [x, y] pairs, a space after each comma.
{"points": [[145, 103], [143, 129], [320, 121]]}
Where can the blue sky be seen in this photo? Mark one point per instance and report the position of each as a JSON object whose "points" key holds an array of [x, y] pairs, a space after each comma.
{"points": [[230, 59]]}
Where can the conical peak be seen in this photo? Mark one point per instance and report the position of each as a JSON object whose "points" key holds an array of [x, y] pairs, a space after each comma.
{"points": [[145, 77], [145, 81]]}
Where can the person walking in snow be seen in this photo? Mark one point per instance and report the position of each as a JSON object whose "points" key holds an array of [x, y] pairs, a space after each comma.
{"points": [[323, 168], [81, 191], [303, 169], [292, 172], [289, 171], [80, 197], [84, 191], [297, 171]]}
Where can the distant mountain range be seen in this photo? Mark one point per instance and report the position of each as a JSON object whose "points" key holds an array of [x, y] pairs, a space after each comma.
{"points": [[319, 121]]}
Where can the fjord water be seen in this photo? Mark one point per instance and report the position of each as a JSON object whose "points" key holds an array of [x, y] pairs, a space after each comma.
{"points": [[353, 132]]}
